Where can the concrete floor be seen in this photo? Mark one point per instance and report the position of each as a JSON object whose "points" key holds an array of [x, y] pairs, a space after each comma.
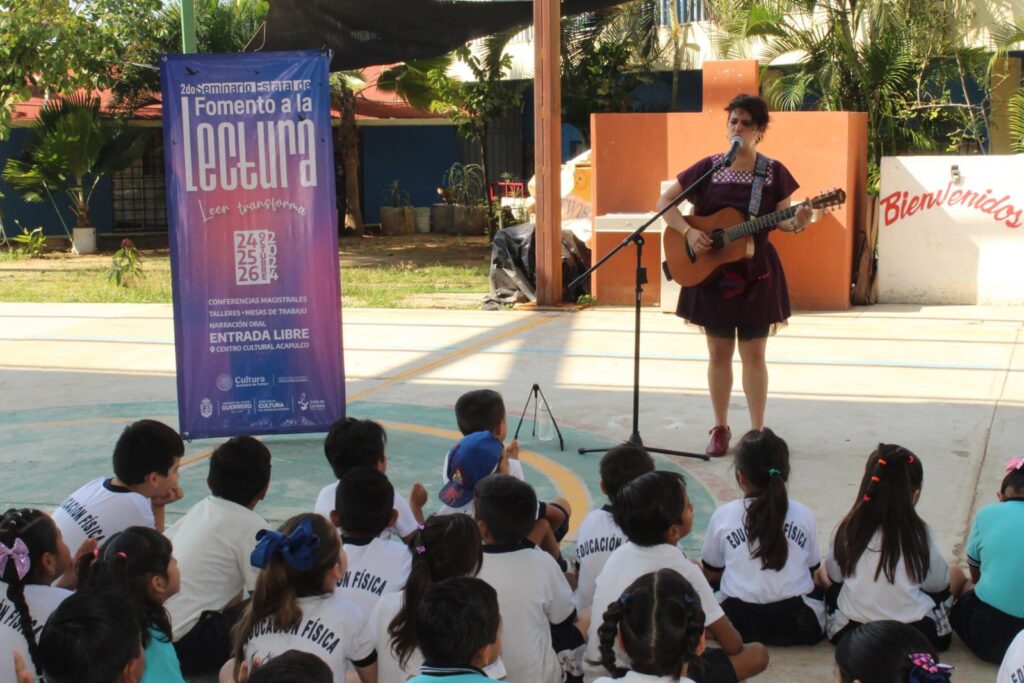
{"points": [[947, 382]]}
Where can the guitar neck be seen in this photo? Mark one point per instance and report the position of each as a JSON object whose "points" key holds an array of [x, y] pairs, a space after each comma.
{"points": [[760, 224]]}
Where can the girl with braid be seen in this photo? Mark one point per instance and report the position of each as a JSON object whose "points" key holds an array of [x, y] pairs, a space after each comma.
{"points": [[883, 562], [32, 556], [659, 623], [762, 550]]}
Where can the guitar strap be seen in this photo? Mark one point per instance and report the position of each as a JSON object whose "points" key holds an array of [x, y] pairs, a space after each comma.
{"points": [[757, 187]]}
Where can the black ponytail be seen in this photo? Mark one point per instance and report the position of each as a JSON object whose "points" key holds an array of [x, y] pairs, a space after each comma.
{"points": [[885, 504], [763, 458], [446, 546], [39, 534], [127, 560], [660, 621]]}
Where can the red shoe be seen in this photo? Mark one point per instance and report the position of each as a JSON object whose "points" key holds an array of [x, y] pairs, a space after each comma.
{"points": [[719, 443]]}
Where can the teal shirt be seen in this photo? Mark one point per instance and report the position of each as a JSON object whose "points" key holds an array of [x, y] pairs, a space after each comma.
{"points": [[161, 660], [995, 547]]}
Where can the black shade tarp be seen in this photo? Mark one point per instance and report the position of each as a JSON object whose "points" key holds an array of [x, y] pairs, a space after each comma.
{"points": [[514, 266], [368, 32]]}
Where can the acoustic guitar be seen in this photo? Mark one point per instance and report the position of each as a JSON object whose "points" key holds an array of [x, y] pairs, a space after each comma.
{"points": [[731, 237]]}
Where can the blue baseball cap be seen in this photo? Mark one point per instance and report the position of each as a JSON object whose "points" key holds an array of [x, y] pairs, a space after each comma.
{"points": [[473, 458]]}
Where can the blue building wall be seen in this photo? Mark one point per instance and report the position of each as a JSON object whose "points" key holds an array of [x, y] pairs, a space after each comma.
{"points": [[14, 208], [416, 156]]}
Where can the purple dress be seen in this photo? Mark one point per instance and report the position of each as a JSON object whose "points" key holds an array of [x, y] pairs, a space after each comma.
{"points": [[751, 292]]}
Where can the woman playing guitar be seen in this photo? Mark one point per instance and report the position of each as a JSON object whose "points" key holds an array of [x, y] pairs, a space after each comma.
{"points": [[746, 300]]}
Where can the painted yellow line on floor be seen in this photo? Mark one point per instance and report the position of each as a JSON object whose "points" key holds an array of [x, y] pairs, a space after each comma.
{"points": [[528, 324], [453, 355], [568, 484]]}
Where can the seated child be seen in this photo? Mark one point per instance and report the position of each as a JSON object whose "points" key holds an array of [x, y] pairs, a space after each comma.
{"points": [[887, 652], [532, 591], [477, 456], [659, 622], [1012, 668], [92, 636], [295, 605], [291, 667], [138, 561], [458, 623], [447, 546], [763, 549], [483, 410], [990, 613], [32, 556], [212, 543], [376, 566], [361, 443], [883, 561], [599, 535], [655, 514], [146, 459]]}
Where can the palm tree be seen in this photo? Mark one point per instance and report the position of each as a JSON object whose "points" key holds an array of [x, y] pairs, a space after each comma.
{"points": [[894, 59], [71, 148], [606, 54]]}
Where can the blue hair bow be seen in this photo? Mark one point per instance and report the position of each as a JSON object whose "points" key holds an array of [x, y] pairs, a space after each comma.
{"points": [[298, 548]]}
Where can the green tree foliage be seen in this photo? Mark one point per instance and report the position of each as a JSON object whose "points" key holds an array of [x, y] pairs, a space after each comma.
{"points": [[476, 104], [910, 64], [605, 56], [55, 47], [71, 148]]}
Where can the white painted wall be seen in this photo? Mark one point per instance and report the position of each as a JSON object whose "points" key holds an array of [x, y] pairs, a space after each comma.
{"points": [[946, 242]]}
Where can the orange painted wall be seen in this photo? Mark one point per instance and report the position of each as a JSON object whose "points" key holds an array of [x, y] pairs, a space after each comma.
{"points": [[633, 153]]}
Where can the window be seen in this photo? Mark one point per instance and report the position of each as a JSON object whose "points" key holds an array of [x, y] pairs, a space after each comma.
{"points": [[140, 195]]}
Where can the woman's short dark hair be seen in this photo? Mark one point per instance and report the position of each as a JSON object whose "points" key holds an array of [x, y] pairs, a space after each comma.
{"points": [[646, 507], [457, 618], [753, 105]]}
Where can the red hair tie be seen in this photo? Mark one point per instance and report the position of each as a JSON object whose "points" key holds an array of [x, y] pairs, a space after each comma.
{"points": [[875, 479], [866, 498], [122, 555], [881, 461], [910, 459]]}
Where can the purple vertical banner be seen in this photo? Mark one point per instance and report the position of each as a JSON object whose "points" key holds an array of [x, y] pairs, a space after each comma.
{"points": [[254, 247]]}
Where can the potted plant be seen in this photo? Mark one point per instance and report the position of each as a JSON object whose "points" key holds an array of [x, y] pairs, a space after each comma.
{"points": [[396, 216], [71, 147], [463, 211]]}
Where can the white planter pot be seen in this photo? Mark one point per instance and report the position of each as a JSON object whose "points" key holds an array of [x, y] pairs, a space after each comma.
{"points": [[85, 240]]}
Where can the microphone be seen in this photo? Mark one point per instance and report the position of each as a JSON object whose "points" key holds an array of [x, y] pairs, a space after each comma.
{"points": [[734, 146]]}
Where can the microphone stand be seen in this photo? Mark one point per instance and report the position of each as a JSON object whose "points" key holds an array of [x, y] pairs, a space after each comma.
{"points": [[636, 239]]}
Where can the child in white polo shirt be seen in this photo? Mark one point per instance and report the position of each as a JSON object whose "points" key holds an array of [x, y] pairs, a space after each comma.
{"points": [[535, 598], [655, 514], [212, 544], [146, 459], [883, 562], [296, 607], [599, 535], [660, 624], [763, 550], [483, 410], [377, 566], [354, 443]]}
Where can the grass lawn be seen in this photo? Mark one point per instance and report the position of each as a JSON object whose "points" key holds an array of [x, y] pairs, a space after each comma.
{"points": [[413, 271]]}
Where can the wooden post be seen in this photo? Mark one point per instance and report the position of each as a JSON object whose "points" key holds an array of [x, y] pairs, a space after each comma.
{"points": [[547, 110]]}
